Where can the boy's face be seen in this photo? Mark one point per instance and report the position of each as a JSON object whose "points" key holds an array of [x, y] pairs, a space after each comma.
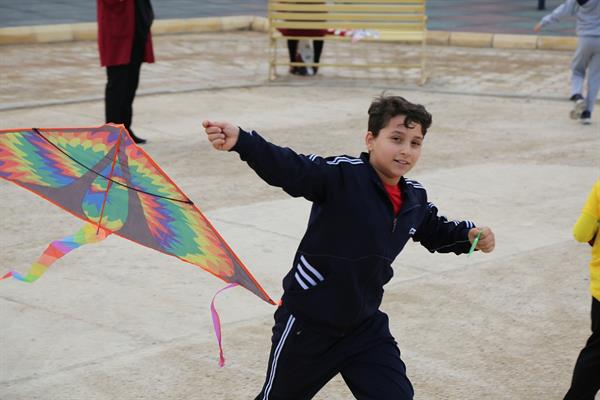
{"points": [[395, 150]]}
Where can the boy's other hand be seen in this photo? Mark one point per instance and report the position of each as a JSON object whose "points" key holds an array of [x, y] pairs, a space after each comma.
{"points": [[486, 242], [222, 135], [538, 27]]}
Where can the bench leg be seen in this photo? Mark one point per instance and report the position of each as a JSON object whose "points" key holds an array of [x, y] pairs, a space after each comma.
{"points": [[272, 58], [423, 78]]}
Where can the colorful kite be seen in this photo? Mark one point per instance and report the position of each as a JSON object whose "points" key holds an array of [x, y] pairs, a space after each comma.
{"points": [[101, 176]]}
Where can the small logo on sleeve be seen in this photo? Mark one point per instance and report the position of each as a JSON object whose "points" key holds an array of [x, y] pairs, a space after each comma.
{"points": [[412, 231]]}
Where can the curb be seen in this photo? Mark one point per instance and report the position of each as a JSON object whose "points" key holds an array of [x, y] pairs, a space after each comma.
{"points": [[501, 40], [88, 31]]}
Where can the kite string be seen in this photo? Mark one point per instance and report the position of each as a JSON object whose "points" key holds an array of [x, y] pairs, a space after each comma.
{"points": [[37, 131], [217, 322]]}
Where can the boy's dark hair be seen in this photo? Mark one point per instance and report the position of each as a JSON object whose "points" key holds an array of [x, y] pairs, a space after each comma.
{"points": [[384, 108]]}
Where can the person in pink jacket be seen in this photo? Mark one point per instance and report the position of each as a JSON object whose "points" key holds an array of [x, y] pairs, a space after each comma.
{"points": [[124, 42]]}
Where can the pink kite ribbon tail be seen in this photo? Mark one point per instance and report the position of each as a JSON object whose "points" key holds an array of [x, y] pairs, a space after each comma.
{"points": [[217, 322], [57, 249]]}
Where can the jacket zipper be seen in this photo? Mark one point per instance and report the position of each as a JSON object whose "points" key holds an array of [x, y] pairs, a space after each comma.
{"points": [[395, 217], [395, 221]]}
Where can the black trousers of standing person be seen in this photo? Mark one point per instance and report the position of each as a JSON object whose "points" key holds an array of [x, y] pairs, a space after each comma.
{"points": [[586, 375], [302, 361], [317, 50], [122, 83]]}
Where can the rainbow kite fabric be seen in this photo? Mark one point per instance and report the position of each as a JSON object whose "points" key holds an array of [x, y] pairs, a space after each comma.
{"points": [[102, 177], [58, 248]]}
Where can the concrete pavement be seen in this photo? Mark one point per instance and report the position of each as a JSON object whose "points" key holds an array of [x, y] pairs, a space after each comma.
{"points": [[34, 74]]}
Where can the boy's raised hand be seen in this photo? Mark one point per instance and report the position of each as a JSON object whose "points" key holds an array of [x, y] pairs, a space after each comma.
{"points": [[486, 242], [222, 135]]}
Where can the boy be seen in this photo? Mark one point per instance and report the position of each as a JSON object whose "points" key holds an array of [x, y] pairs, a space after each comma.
{"points": [[364, 211], [587, 55]]}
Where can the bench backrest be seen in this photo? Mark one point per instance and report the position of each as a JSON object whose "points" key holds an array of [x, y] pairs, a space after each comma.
{"points": [[383, 16]]}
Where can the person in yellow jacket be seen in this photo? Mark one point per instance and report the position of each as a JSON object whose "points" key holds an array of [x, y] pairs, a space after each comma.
{"points": [[586, 375]]}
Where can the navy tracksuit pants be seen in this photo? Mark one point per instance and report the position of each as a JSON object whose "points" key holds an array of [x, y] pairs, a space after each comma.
{"points": [[302, 361]]}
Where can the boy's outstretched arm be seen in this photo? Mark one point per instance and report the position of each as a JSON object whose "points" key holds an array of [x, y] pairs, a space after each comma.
{"points": [[297, 174], [222, 135], [487, 240], [438, 234]]}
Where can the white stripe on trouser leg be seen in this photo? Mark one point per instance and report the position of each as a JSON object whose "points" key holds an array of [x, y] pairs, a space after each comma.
{"points": [[286, 331]]}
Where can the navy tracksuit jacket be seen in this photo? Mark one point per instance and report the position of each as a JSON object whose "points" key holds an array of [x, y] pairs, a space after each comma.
{"points": [[344, 259]]}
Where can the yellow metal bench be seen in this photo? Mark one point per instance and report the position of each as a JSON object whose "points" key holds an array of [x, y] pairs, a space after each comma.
{"points": [[390, 20]]}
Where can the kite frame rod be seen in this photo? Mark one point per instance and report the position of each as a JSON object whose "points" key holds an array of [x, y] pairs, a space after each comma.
{"points": [[110, 181]]}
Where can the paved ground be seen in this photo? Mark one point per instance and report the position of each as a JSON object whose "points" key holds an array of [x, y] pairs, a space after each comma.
{"points": [[116, 320], [34, 75], [508, 16]]}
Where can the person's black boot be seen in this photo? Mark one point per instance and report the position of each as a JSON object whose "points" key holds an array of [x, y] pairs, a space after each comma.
{"points": [[136, 139]]}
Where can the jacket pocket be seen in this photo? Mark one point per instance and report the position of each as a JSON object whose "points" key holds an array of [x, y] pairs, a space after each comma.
{"points": [[319, 305], [350, 291]]}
